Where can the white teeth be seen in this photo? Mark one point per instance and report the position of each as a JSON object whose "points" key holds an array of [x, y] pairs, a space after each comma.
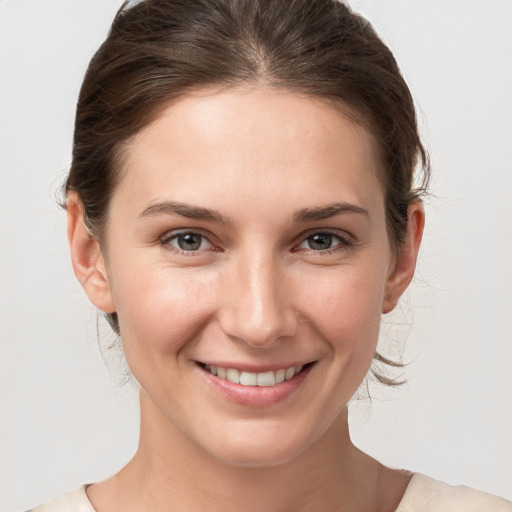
{"points": [[264, 379], [289, 373], [280, 375], [248, 379], [233, 375]]}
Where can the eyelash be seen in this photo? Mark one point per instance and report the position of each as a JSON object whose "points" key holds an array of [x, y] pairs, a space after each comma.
{"points": [[344, 242], [175, 235]]}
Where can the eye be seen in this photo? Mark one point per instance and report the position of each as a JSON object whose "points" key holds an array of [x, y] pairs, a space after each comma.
{"points": [[187, 241], [324, 241]]}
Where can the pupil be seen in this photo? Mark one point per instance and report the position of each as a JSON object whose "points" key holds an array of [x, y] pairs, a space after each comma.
{"points": [[320, 241], [189, 242]]}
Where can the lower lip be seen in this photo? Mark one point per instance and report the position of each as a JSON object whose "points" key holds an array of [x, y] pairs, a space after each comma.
{"points": [[256, 396]]}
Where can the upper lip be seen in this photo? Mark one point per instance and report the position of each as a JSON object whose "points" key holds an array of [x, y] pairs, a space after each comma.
{"points": [[255, 368]]}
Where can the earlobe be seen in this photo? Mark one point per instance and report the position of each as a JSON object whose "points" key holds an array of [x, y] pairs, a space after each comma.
{"points": [[87, 258], [405, 263]]}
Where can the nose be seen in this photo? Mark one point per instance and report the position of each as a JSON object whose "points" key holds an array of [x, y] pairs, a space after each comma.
{"points": [[257, 306]]}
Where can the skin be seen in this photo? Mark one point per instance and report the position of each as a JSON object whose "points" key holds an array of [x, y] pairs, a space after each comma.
{"points": [[256, 292]]}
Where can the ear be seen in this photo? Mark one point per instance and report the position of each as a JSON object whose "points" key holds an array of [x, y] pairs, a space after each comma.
{"points": [[405, 261], [87, 258]]}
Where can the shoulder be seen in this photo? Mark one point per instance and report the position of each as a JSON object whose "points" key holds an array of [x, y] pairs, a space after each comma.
{"points": [[74, 501], [424, 494]]}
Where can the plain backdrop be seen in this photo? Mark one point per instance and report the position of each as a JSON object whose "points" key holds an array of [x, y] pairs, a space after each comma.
{"points": [[64, 418]]}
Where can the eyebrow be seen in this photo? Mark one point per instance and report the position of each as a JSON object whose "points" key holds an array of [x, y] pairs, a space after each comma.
{"points": [[200, 213], [328, 211], [184, 210]]}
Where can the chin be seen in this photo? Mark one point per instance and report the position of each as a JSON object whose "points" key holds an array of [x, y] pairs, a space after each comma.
{"points": [[259, 447]]}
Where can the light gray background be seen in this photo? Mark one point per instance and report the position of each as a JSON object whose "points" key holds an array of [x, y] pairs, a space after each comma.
{"points": [[63, 419]]}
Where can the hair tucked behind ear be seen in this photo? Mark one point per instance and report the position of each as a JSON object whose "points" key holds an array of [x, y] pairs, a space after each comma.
{"points": [[158, 50]]}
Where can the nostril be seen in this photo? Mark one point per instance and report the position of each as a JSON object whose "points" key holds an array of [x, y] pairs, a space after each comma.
{"points": [[260, 331]]}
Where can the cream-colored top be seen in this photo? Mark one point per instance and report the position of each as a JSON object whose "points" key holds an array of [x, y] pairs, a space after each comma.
{"points": [[423, 494]]}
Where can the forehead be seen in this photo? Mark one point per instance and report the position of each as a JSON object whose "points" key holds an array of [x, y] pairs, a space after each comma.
{"points": [[251, 143]]}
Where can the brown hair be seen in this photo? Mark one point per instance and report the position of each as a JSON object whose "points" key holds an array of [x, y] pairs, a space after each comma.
{"points": [[158, 50]]}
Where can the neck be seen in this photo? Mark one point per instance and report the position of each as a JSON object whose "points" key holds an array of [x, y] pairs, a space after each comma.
{"points": [[168, 468]]}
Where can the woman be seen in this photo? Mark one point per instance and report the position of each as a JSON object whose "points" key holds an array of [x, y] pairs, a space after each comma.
{"points": [[241, 205]]}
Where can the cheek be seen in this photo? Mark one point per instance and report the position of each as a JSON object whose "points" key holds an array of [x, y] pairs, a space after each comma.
{"points": [[161, 309], [346, 310]]}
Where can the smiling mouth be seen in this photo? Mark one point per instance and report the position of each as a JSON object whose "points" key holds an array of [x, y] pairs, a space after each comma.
{"points": [[261, 379]]}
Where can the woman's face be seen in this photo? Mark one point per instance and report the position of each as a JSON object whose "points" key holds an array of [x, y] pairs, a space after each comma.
{"points": [[247, 241]]}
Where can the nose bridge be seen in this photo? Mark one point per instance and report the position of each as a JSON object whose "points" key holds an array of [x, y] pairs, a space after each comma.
{"points": [[259, 310]]}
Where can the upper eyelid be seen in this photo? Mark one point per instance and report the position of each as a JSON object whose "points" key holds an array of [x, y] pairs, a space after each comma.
{"points": [[168, 235], [345, 242], [340, 233]]}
